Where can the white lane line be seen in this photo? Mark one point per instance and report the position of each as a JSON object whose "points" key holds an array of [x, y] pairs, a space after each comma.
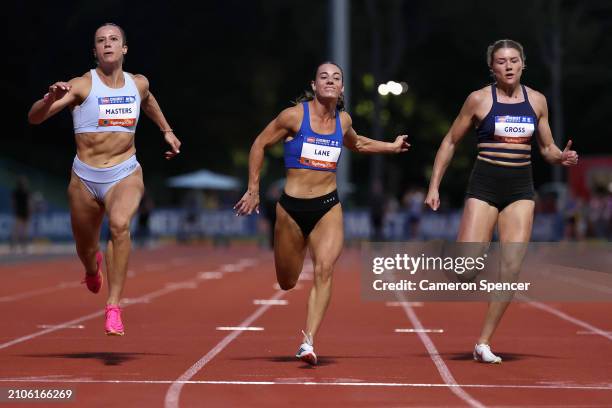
{"points": [[50, 326], [401, 304], [142, 299], [598, 287], [273, 302], [276, 286], [586, 387], [232, 268], [32, 293], [210, 275], [568, 318], [440, 365], [239, 328], [419, 330], [174, 392], [590, 332]]}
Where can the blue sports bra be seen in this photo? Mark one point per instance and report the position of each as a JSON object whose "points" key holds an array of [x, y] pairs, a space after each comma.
{"points": [[313, 151], [505, 135]]}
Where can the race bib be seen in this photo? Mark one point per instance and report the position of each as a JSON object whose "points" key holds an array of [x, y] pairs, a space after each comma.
{"points": [[320, 153], [117, 111], [514, 129]]}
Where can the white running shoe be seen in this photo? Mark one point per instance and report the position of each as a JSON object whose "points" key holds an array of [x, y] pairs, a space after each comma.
{"points": [[482, 353], [306, 351], [306, 354]]}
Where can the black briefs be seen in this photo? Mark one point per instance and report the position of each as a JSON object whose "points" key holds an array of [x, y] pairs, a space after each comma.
{"points": [[307, 212], [500, 186]]}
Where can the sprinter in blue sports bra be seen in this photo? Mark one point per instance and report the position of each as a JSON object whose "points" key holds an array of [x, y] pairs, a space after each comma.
{"points": [[508, 117], [308, 214], [106, 178]]}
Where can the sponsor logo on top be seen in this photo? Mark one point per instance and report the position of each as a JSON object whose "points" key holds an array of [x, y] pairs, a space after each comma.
{"points": [[111, 100]]}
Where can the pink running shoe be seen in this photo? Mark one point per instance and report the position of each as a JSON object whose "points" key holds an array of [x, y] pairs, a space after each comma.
{"points": [[94, 282], [113, 325]]}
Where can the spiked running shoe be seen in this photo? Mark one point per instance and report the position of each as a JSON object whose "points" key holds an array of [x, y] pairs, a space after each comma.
{"points": [[306, 354], [113, 325], [482, 353], [94, 282]]}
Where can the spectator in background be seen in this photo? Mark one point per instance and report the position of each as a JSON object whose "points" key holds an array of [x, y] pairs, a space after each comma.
{"points": [[193, 202], [412, 202], [377, 212], [143, 233], [22, 210], [269, 211]]}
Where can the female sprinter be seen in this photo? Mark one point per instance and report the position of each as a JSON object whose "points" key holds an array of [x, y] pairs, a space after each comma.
{"points": [[308, 213], [507, 116], [106, 178]]}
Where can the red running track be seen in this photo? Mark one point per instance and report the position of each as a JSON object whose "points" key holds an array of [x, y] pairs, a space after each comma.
{"points": [[173, 355]]}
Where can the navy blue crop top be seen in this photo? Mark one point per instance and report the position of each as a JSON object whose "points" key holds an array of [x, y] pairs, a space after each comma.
{"points": [[311, 150], [506, 134]]}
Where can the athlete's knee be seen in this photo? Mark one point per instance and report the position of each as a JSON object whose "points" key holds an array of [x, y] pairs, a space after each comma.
{"points": [[286, 278], [323, 271], [511, 266], [119, 226], [287, 284]]}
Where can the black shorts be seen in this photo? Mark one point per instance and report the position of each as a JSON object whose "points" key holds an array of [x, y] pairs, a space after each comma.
{"points": [[307, 212], [500, 186]]}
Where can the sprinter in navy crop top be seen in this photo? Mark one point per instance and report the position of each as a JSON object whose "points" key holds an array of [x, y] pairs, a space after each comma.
{"points": [[508, 117], [308, 213]]}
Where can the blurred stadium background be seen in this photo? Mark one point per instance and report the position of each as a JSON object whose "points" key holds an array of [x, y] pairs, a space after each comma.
{"points": [[222, 70]]}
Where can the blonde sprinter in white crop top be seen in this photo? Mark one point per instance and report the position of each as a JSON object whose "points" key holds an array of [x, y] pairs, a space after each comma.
{"points": [[101, 147]]}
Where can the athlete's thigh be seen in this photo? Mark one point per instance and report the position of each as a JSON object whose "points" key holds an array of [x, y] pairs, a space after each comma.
{"points": [[289, 244], [86, 213], [477, 222], [516, 221], [327, 238], [123, 198]]}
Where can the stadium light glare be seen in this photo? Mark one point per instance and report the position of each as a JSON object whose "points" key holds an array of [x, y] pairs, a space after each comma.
{"points": [[383, 89], [395, 88]]}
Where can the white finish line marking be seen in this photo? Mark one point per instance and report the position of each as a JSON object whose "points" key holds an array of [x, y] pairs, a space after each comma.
{"points": [[419, 330], [232, 328], [586, 387], [280, 302]]}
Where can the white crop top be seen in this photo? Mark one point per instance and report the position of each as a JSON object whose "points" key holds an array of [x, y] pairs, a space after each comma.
{"points": [[108, 109]]}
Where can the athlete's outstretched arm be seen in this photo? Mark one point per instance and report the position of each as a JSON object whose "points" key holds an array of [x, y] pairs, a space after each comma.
{"points": [[548, 149], [447, 148], [60, 95], [151, 108], [362, 144], [282, 126]]}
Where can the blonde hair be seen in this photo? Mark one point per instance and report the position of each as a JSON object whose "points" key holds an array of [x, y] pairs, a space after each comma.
{"points": [[491, 49]]}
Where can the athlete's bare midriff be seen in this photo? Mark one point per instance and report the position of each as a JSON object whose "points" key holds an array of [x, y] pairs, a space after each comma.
{"points": [[305, 183], [104, 149]]}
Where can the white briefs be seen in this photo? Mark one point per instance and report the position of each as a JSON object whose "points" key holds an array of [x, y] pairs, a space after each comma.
{"points": [[99, 180]]}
